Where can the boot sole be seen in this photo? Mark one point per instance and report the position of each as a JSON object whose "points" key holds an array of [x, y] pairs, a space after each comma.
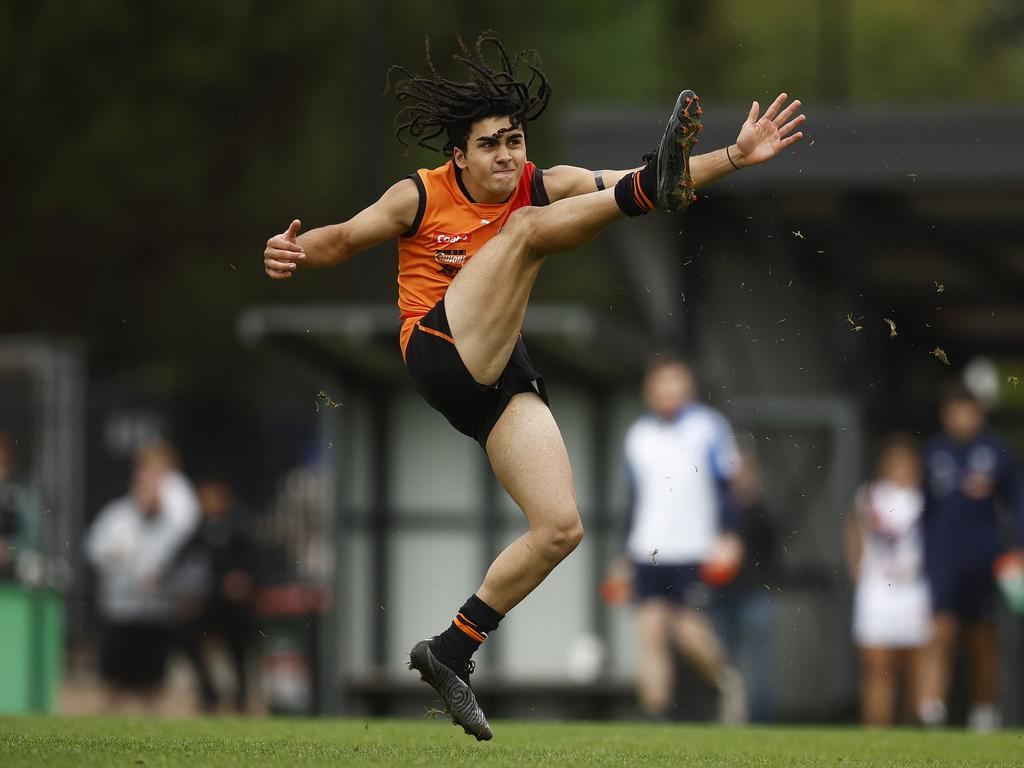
{"points": [[675, 185], [458, 697]]}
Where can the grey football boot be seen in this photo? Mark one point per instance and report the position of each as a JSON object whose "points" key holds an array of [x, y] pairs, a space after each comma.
{"points": [[455, 691], [675, 186]]}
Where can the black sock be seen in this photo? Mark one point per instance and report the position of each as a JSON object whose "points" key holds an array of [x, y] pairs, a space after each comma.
{"points": [[456, 645], [637, 192]]}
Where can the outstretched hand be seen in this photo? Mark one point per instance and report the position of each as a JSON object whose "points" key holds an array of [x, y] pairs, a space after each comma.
{"points": [[762, 139], [282, 255]]}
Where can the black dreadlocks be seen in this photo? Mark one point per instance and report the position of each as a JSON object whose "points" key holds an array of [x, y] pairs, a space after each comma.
{"points": [[437, 105]]}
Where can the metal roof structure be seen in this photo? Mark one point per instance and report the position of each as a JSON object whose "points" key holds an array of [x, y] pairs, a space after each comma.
{"points": [[897, 204]]}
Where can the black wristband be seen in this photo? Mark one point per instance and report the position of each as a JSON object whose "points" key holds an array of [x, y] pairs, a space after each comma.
{"points": [[730, 159], [599, 180]]}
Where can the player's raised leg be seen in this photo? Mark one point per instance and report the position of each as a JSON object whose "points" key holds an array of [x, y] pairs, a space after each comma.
{"points": [[486, 302]]}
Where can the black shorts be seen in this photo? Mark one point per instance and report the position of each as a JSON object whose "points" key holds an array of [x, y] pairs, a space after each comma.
{"points": [[134, 656], [439, 375]]}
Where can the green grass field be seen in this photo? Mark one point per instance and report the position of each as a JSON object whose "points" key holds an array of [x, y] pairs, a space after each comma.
{"points": [[55, 741]]}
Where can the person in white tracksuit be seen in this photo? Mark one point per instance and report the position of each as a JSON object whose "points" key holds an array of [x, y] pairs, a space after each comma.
{"points": [[680, 537], [132, 545], [892, 609]]}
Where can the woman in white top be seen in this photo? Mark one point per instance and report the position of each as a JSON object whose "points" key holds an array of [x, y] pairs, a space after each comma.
{"points": [[891, 609]]}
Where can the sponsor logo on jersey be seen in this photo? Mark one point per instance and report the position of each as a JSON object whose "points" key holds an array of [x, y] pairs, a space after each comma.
{"points": [[449, 238], [450, 257]]}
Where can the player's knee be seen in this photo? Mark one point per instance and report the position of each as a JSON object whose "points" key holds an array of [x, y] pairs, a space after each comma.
{"points": [[564, 536], [520, 226]]}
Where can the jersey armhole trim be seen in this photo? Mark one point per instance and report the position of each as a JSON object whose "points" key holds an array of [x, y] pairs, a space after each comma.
{"points": [[538, 194], [420, 208]]}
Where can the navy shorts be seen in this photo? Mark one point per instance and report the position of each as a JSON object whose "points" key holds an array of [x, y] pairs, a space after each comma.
{"points": [[680, 584], [439, 375], [968, 592]]}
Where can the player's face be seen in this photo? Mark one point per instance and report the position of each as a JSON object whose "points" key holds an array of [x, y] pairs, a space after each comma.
{"points": [[214, 499], [962, 419], [902, 466], [667, 389], [146, 486], [494, 159]]}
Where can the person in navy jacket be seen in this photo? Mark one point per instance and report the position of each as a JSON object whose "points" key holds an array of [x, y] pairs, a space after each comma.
{"points": [[971, 479]]}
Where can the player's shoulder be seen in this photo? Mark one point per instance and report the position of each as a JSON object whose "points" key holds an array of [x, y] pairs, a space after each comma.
{"points": [[993, 439], [1003, 450], [639, 425], [641, 429], [707, 417], [428, 182], [117, 510], [405, 192]]}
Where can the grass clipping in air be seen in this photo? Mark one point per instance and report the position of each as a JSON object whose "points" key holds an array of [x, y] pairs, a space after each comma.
{"points": [[87, 742]]}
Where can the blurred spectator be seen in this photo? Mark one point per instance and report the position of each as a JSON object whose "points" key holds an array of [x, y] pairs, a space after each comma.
{"points": [[743, 610], [132, 544], [680, 458], [20, 513], [891, 609], [222, 552], [969, 470]]}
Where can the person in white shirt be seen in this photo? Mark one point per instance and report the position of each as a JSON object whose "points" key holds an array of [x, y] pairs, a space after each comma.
{"points": [[132, 545], [891, 607], [680, 536]]}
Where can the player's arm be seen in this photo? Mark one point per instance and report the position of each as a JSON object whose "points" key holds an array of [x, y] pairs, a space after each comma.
{"points": [[761, 137], [853, 541], [386, 219], [1010, 489], [564, 181]]}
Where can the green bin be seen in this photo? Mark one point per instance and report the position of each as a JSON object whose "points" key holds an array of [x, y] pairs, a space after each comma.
{"points": [[31, 648]]}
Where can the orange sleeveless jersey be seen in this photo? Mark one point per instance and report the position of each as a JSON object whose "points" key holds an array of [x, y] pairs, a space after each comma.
{"points": [[449, 228]]}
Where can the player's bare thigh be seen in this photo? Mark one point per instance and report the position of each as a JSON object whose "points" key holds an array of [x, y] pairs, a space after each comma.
{"points": [[486, 301], [488, 297], [528, 455]]}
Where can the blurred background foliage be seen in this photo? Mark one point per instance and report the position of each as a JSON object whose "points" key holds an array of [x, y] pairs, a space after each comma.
{"points": [[150, 148]]}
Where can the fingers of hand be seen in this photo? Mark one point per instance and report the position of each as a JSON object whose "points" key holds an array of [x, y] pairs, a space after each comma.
{"points": [[774, 108], [791, 125], [282, 243], [284, 254], [788, 112], [755, 108], [293, 229], [278, 265], [791, 140], [278, 275]]}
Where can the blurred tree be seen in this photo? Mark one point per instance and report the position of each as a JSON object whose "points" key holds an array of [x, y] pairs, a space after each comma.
{"points": [[152, 147]]}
